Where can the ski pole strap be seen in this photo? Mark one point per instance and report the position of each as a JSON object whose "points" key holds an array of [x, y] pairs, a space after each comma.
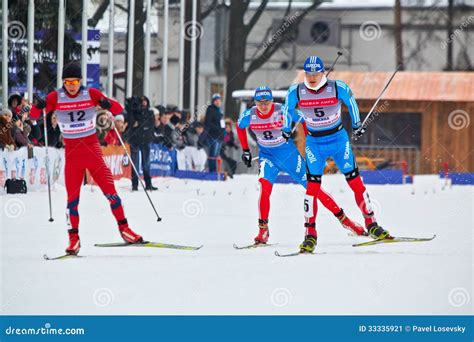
{"points": [[326, 132]]}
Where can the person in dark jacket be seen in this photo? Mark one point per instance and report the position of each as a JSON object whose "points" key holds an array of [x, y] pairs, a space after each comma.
{"points": [[215, 127], [141, 124], [55, 138]]}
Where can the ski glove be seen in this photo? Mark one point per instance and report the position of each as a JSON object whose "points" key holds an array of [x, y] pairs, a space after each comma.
{"points": [[247, 158], [104, 103]]}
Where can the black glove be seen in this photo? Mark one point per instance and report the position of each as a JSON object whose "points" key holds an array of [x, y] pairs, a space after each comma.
{"points": [[286, 135], [104, 103], [247, 158], [40, 103], [358, 132]]}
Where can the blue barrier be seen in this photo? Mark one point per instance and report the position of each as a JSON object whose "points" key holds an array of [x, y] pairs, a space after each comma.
{"points": [[382, 177], [162, 161], [458, 178], [210, 176]]}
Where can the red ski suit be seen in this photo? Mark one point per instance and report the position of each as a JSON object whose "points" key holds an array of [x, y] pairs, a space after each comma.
{"points": [[76, 118]]}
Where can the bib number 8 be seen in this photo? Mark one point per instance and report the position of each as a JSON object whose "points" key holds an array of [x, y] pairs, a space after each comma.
{"points": [[80, 116], [268, 135]]}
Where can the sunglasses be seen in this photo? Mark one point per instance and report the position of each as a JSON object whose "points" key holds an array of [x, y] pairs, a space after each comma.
{"points": [[73, 82]]}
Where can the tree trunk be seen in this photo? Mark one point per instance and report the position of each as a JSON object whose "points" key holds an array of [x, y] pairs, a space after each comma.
{"points": [[236, 75], [138, 49], [398, 34], [449, 46]]}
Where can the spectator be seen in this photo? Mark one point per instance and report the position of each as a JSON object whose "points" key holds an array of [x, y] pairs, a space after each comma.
{"points": [[55, 138], [141, 124], [14, 103], [112, 138], [19, 134], [195, 154], [162, 132], [229, 143], [31, 126], [202, 141], [6, 140], [178, 137], [214, 126]]}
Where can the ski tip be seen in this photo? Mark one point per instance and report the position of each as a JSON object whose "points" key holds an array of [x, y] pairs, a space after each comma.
{"points": [[45, 257], [277, 254]]}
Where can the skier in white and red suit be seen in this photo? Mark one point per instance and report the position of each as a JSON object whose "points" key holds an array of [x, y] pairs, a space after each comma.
{"points": [[75, 107]]}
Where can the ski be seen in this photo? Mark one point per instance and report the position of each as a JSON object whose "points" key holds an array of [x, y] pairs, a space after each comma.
{"points": [[149, 244], [296, 253], [364, 235], [392, 239], [62, 257], [255, 245]]}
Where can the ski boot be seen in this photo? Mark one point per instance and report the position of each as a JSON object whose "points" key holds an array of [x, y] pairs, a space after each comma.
{"points": [[263, 233], [74, 242], [309, 244], [348, 224], [127, 234], [377, 232]]}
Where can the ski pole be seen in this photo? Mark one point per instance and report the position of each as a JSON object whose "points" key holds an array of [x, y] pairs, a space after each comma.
{"points": [[47, 165], [158, 218], [364, 123], [339, 54]]}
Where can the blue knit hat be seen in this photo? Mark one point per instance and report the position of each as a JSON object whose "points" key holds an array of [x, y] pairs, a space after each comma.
{"points": [[263, 94], [313, 64]]}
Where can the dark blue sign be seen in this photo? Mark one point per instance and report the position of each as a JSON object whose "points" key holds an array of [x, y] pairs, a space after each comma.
{"points": [[162, 161]]}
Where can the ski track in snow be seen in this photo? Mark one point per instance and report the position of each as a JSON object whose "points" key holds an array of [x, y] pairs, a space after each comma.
{"points": [[404, 279]]}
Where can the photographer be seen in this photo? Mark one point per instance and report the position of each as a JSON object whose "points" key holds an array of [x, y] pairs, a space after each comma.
{"points": [[141, 126]]}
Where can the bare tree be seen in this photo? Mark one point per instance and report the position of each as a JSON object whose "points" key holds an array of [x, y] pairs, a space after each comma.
{"points": [[237, 73], [398, 34]]}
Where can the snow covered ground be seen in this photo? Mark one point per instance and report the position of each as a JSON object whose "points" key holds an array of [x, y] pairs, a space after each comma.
{"points": [[413, 278]]}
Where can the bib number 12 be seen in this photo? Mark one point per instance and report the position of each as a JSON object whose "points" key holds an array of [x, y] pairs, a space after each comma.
{"points": [[80, 116]]}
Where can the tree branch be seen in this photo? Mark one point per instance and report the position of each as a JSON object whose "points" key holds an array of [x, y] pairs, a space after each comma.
{"points": [[275, 44], [99, 13], [255, 17], [121, 7]]}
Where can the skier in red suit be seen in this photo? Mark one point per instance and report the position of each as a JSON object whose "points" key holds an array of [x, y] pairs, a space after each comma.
{"points": [[75, 107]]}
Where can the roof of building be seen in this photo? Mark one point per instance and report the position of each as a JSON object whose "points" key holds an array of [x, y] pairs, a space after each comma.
{"points": [[408, 85]]}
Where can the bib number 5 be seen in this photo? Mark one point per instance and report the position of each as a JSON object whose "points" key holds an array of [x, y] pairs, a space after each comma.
{"points": [[319, 112]]}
